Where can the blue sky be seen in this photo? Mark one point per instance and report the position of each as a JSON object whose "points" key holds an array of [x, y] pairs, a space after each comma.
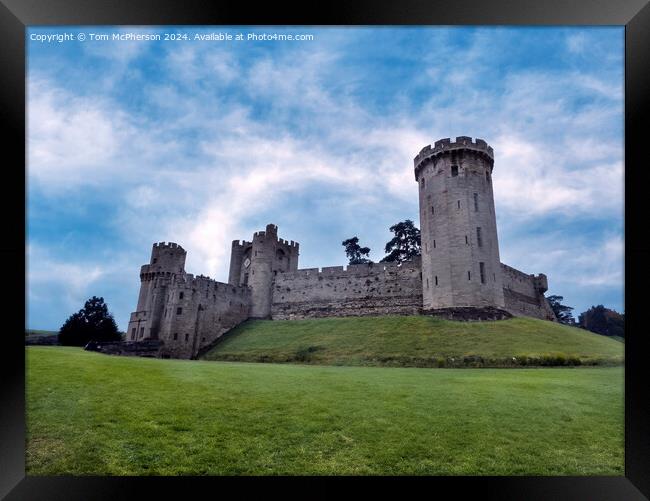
{"points": [[204, 142]]}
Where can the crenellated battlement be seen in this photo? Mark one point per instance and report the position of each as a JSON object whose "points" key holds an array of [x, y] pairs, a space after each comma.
{"points": [[353, 269], [170, 245], [288, 243], [446, 146]]}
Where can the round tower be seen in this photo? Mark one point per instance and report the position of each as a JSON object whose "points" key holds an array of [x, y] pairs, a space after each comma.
{"points": [[167, 259], [460, 250]]}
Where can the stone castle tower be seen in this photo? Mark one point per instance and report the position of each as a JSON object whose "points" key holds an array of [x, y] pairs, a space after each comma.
{"points": [[460, 248], [166, 261], [257, 263]]}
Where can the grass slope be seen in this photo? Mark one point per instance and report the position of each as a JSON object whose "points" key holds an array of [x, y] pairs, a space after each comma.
{"points": [[415, 341], [89, 413]]}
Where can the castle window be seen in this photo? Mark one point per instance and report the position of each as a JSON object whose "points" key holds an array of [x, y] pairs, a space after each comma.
{"points": [[454, 170], [422, 183], [479, 240], [133, 333], [155, 260], [469, 276], [426, 247], [434, 244], [466, 240], [432, 210], [487, 176], [203, 339], [458, 203], [179, 310], [427, 283], [482, 269], [475, 202], [436, 278], [187, 337], [141, 331], [175, 336]]}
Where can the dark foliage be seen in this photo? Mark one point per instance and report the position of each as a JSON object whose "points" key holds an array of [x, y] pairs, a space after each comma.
{"points": [[92, 323], [405, 244], [355, 252], [603, 321], [562, 312]]}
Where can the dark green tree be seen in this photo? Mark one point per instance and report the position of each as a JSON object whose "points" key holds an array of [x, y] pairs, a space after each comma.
{"points": [[562, 312], [405, 244], [92, 323], [355, 252], [603, 321]]}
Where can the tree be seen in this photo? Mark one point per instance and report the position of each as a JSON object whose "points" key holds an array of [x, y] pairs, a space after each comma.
{"points": [[603, 321], [92, 323], [562, 312], [355, 252], [405, 244]]}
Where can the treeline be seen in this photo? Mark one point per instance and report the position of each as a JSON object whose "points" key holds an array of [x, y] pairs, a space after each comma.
{"points": [[598, 319]]}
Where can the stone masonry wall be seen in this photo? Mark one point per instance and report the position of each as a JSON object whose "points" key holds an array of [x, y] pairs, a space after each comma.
{"points": [[522, 296], [359, 290], [199, 310]]}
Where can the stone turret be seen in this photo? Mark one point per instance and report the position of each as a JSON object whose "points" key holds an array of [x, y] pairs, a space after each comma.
{"points": [[167, 260], [460, 249], [256, 263]]}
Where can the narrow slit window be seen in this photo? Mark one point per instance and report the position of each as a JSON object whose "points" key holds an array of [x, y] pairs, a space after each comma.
{"points": [[454, 170], [436, 277], [469, 276], [458, 203], [180, 295], [434, 244], [466, 240], [175, 336], [475, 202], [487, 176], [187, 337], [427, 283], [479, 240], [432, 210], [482, 270], [133, 333], [426, 247]]}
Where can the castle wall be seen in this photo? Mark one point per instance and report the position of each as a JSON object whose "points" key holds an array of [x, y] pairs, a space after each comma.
{"points": [[198, 311], [524, 295], [359, 290]]}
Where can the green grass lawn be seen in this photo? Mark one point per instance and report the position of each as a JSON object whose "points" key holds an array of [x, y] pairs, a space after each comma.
{"points": [[89, 413], [413, 341]]}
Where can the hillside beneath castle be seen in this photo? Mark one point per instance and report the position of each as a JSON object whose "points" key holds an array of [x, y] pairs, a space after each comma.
{"points": [[416, 341]]}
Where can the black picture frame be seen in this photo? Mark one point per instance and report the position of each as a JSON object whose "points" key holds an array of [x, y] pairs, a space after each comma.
{"points": [[16, 15]]}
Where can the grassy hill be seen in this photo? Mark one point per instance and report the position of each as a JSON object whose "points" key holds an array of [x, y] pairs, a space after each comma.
{"points": [[416, 341], [94, 414]]}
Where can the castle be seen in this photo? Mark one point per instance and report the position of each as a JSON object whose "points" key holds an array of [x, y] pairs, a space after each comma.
{"points": [[458, 275]]}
